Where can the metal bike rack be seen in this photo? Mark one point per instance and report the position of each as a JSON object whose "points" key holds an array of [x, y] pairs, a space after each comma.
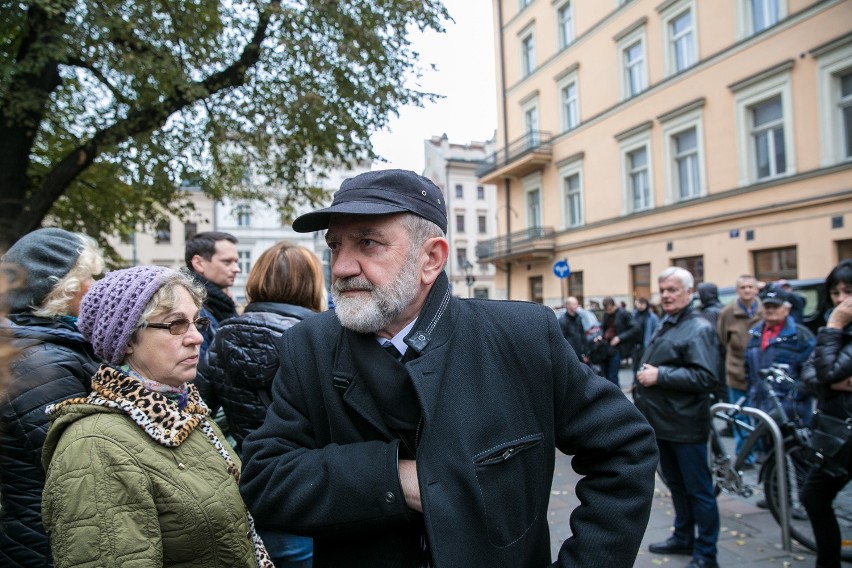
{"points": [[780, 464]]}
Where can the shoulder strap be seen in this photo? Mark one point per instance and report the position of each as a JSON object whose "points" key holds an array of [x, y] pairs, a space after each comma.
{"points": [[265, 397]]}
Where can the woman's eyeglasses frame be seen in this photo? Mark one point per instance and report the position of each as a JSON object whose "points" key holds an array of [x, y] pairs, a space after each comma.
{"points": [[180, 325]]}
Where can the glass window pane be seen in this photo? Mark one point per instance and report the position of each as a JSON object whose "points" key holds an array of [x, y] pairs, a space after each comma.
{"points": [[846, 85], [847, 130], [761, 151], [768, 111], [685, 141], [780, 155]]}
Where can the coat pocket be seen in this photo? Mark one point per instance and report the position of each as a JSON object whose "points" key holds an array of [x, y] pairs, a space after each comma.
{"points": [[509, 477]]}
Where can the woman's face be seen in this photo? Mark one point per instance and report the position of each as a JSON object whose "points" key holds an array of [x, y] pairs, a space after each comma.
{"points": [[840, 292], [74, 306], [160, 356]]}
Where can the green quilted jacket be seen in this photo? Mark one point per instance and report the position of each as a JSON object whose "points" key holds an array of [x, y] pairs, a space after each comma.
{"points": [[142, 486]]}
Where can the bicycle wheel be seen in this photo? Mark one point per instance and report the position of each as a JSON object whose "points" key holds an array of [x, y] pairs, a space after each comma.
{"points": [[801, 531]]}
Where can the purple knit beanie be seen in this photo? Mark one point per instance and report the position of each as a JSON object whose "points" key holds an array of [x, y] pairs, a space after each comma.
{"points": [[111, 308]]}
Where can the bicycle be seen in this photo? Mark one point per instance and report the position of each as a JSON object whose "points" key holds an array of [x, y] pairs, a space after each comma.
{"points": [[728, 471]]}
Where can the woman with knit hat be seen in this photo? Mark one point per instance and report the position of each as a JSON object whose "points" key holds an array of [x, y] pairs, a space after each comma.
{"points": [[48, 270], [136, 473]]}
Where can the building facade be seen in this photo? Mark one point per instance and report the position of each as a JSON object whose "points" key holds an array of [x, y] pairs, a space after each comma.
{"points": [[636, 135], [471, 210]]}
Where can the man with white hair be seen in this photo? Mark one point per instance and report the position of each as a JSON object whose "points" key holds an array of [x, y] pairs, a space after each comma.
{"points": [[672, 389]]}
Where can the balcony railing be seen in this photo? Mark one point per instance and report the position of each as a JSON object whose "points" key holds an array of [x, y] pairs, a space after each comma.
{"points": [[532, 141], [534, 241]]}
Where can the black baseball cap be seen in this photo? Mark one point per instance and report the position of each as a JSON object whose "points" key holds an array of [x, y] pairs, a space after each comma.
{"points": [[381, 192], [776, 297]]}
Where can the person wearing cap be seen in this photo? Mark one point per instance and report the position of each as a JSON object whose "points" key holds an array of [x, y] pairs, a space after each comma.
{"points": [[48, 270], [136, 474], [778, 339], [415, 428], [798, 303]]}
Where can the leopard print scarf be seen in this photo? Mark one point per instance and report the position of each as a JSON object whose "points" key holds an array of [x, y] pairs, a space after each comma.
{"points": [[162, 421]]}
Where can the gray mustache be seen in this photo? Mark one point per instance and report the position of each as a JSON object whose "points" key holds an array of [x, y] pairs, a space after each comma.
{"points": [[353, 283]]}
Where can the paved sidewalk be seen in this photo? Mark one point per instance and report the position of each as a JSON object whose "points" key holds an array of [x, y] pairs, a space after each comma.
{"points": [[749, 536]]}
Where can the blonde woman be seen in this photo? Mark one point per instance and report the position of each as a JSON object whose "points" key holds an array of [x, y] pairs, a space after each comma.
{"points": [[49, 270]]}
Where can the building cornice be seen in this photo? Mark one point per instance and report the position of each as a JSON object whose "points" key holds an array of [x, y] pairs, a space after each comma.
{"points": [[761, 76], [683, 109], [630, 29], [634, 130], [831, 45]]}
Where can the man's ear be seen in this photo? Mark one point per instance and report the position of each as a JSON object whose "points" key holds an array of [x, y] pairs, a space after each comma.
{"points": [[198, 264], [437, 251]]}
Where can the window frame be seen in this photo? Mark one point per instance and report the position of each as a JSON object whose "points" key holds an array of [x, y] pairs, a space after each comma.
{"points": [[527, 53], [667, 17], [533, 184], [567, 171], [747, 98], [831, 65], [624, 44], [565, 35], [671, 129], [565, 116], [628, 146], [745, 20]]}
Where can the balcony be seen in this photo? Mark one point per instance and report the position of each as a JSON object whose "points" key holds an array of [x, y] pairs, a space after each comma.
{"points": [[534, 243], [525, 155]]}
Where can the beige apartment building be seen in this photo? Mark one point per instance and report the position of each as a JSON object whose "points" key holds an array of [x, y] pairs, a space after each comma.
{"points": [[710, 134]]}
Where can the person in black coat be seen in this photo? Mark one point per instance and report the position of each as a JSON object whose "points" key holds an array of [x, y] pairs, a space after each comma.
{"points": [[831, 370], [50, 271], [284, 287], [619, 331], [413, 428], [672, 389]]}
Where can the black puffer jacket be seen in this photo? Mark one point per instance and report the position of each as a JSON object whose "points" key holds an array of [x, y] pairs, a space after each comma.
{"points": [[55, 363], [831, 362], [686, 352], [242, 361]]}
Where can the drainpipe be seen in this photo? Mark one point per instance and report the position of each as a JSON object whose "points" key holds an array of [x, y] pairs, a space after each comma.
{"points": [[506, 182]]}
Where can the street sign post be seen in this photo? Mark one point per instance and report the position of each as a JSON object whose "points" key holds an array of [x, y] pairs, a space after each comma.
{"points": [[562, 271]]}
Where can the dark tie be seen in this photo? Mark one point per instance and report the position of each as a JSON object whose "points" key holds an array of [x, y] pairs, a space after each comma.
{"points": [[392, 350]]}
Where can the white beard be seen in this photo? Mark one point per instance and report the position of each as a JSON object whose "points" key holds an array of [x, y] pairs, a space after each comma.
{"points": [[382, 306]]}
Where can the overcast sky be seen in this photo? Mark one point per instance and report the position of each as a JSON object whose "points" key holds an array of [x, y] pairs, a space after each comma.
{"points": [[464, 58]]}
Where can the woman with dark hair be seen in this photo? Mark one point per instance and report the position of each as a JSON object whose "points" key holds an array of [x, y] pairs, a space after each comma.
{"points": [[832, 369], [137, 475], [49, 271], [284, 287]]}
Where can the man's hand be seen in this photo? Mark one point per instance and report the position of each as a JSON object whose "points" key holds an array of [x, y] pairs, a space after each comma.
{"points": [[615, 341], [410, 484], [647, 375], [844, 385]]}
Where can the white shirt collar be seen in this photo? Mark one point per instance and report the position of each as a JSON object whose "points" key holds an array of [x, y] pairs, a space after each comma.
{"points": [[398, 340]]}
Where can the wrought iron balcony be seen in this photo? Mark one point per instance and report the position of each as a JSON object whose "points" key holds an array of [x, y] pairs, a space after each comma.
{"points": [[530, 152], [529, 244]]}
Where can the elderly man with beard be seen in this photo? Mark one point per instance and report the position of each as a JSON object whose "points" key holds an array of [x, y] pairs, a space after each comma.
{"points": [[411, 428]]}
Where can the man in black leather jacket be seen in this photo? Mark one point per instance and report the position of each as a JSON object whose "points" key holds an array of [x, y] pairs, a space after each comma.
{"points": [[672, 389]]}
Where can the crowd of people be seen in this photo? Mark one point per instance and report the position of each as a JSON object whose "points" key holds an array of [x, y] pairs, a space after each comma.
{"points": [[390, 431]]}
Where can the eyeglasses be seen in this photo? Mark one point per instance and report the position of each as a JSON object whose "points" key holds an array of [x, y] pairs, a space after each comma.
{"points": [[180, 326]]}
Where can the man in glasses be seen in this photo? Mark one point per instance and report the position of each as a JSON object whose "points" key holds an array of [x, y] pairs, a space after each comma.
{"points": [[212, 256], [412, 428]]}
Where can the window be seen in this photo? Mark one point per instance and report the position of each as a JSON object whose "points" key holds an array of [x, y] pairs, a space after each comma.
{"points": [[754, 16], [537, 289], [764, 14], [244, 261], [640, 277], [459, 191], [527, 55], [163, 232], [694, 264], [570, 106], [774, 264], [640, 190], [678, 20], [634, 69], [524, 3], [482, 224], [531, 125], [686, 164], [834, 74], [565, 24], [768, 138], [572, 192], [844, 250], [481, 293], [190, 229], [460, 222], [534, 208], [765, 125], [461, 258], [575, 285], [243, 215], [480, 192], [636, 175]]}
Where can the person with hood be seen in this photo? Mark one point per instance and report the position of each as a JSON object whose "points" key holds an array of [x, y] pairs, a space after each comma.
{"points": [[648, 322], [136, 473], [710, 308], [49, 270], [285, 286], [618, 333]]}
